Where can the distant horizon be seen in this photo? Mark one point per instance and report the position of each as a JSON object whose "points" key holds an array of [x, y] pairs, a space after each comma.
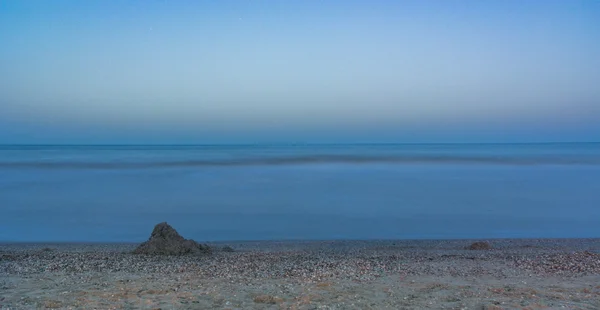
{"points": [[297, 143]]}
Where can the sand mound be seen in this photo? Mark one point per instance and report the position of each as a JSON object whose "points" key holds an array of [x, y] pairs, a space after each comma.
{"points": [[480, 245], [166, 241]]}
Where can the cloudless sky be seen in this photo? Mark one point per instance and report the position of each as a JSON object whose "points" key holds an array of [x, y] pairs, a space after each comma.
{"points": [[299, 71]]}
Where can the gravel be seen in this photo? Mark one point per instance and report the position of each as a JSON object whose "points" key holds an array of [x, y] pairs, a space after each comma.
{"points": [[441, 274], [359, 260]]}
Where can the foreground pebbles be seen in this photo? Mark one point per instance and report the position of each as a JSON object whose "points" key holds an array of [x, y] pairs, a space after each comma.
{"points": [[336, 274]]}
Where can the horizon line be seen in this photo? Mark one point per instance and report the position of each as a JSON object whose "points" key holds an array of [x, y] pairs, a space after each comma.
{"points": [[294, 143]]}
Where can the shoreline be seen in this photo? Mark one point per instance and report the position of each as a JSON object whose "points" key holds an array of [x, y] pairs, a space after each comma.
{"points": [[568, 241]]}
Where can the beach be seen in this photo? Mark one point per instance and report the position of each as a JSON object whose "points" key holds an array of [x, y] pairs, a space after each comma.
{"points": [[72, 216], [420, 274]]}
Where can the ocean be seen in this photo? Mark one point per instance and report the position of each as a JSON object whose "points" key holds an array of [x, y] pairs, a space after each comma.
{"points": [[108, 193]]}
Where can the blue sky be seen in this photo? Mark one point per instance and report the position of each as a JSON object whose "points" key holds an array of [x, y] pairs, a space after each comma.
{"points": [[299, 71]]}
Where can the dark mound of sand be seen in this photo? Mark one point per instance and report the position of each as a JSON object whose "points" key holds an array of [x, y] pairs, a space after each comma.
{"points": [[480, 245], [166, 241]]}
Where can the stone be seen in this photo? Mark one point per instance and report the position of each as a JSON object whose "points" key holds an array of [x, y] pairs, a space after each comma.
{"points": [[267, 299], [165, 240], [227, 249], [480, 245]]}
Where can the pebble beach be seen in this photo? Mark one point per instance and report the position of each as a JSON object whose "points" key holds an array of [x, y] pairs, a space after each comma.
{"points": [[425, 274]]}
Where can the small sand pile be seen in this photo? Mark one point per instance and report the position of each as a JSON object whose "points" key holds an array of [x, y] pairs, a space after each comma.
{"points": [[166, 241], [480, 245]]}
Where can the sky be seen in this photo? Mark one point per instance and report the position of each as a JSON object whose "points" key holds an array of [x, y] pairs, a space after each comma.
{"points": [[102, 72]]}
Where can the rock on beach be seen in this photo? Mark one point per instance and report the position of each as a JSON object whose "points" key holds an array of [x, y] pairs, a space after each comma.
{"points": [[165, 240], [480, 245]]}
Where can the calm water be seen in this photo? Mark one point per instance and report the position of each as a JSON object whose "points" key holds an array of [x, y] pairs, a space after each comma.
{"points": [[117, 193]]}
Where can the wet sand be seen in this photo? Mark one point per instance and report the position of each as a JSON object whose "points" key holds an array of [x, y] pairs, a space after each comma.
{"points": [[442, 274]]}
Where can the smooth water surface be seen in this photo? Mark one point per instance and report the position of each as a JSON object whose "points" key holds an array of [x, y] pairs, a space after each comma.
{"points": [[249, 192]]}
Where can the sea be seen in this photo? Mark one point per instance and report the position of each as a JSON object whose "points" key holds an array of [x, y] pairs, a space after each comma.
{"points": [[117, 193]]}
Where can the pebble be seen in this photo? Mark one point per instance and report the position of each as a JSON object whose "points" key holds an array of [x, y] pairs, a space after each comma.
{"points": [[312, 261]]}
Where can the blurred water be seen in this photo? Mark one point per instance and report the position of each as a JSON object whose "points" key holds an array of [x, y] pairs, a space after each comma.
{"points": [[117, 193]]}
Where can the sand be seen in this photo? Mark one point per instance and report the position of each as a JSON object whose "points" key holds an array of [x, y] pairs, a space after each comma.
{"points": [[514, 274]]}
